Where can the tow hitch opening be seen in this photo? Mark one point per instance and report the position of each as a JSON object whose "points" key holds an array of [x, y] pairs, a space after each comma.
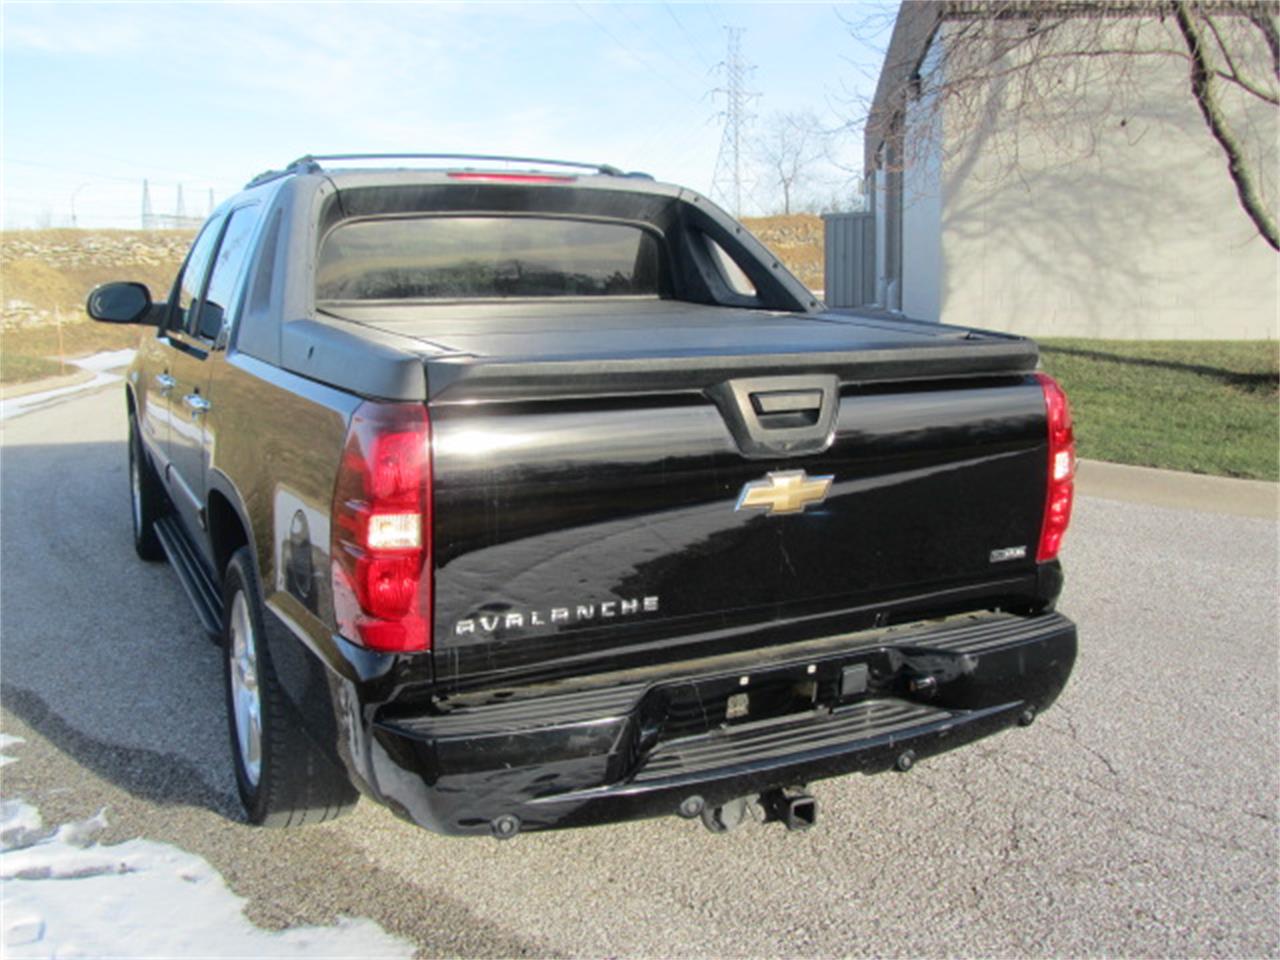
{"points": [[794, 809]]}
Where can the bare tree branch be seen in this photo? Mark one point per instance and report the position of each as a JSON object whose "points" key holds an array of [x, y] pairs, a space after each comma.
{"points": [[1013, 75], [791, 145], [1266, 25], [1232, 73], [1202, 90], [1245, 85]]}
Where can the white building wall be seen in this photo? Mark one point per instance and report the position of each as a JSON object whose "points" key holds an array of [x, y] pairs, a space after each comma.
{"points": [[1143, 238], [922, 203], [881, 207]]}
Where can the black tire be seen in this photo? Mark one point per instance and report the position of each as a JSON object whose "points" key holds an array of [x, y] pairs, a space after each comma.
{"points": [[146, 498], [292, 782]]}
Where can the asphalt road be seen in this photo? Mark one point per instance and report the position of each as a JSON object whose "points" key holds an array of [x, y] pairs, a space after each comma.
{"points": [[1137, 817]]}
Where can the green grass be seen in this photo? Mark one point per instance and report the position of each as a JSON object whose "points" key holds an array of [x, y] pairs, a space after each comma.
{"points": [[32, 352], [1200, 406]]}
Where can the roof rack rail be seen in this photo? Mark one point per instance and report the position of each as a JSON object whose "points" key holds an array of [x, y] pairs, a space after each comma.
{"points": [[310, 163], [268, 175], [313, 160]]}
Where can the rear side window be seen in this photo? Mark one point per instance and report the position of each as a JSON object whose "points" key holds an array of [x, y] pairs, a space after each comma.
{"points": [[226, 270], [483, 257]]}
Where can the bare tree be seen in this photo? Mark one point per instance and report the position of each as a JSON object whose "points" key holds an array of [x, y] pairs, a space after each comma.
{"points": [[1212, 67], [1017, 74], [789, 148]]}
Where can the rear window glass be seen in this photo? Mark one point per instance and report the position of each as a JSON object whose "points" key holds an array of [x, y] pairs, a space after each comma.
{"points": [[429, 258]]}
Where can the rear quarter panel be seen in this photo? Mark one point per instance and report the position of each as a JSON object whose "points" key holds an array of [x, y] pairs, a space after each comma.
{"points": [[275, 440]]}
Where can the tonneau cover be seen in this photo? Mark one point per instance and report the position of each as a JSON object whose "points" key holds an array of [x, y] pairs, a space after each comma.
{"points": [[527, 349]]}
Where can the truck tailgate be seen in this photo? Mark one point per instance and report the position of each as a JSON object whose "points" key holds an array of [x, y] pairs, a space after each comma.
{"points": [[591, 506]]}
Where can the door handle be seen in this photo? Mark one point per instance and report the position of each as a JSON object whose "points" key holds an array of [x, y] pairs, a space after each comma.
{"points": [[196, 404], [165, 382]]}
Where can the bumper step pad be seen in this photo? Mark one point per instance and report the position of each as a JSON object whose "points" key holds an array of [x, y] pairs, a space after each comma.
{"points": [[867, 723]]}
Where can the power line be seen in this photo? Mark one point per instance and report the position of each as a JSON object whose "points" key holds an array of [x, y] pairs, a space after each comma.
{"points": [[650, 42], [693, 44], [111, 178], [717, 22], [656, 69], [727, 179]]}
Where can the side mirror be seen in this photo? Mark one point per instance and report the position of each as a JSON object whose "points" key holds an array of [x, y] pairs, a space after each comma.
{"points": [[123, 302]]}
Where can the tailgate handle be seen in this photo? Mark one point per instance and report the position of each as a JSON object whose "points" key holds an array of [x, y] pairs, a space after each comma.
{"points": [[782, 417], [787, 401]]}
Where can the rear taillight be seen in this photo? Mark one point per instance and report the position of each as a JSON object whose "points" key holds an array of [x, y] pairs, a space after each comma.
{"points": [[1062, 469], [381, 542]]}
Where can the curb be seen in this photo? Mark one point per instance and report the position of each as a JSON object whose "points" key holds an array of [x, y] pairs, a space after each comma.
{"points": [[1094, 478], [1179, 491], [11, 390]]}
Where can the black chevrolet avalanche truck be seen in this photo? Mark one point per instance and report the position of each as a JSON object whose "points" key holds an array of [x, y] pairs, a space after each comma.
{"points": [[532, 495]]}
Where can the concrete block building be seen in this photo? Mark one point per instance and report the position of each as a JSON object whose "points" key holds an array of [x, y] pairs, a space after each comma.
{"points": [[1071, 186]]}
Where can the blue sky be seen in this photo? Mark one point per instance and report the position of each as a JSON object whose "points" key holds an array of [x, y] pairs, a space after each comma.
{"points": [[98, 96]]}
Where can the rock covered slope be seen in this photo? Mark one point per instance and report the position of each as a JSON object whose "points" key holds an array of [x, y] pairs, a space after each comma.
{"points": [[46, 271], [797, 239]]}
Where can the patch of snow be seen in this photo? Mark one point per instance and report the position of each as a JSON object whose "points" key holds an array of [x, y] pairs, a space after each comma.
{"points": [[82, 833], [65, 895], [8, 740], [97, 364], [20, 824]]}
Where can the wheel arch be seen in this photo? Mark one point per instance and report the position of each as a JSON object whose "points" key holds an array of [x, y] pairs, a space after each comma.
{"points": [[229, 526]]}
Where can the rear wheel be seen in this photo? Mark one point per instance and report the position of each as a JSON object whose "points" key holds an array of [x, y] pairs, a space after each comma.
{"points": [[146, 499], [283, 779]]}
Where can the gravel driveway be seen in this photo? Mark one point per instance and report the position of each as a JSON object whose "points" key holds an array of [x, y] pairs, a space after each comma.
{"points": [[1139, 816]]}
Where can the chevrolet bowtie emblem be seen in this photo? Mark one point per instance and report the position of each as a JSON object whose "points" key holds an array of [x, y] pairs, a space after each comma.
{"points": [[787, 491]]}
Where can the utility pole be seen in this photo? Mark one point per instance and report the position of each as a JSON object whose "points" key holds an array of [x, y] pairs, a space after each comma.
{"points": [[180, 210], [727, 180], [148, 218], [75, 193]]}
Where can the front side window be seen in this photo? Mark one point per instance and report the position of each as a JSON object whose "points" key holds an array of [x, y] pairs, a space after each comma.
{"points": [[193, 272], [485, 257]]}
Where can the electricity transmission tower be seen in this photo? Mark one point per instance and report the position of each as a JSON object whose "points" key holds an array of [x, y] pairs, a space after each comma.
{"points": [[727, 180]]}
